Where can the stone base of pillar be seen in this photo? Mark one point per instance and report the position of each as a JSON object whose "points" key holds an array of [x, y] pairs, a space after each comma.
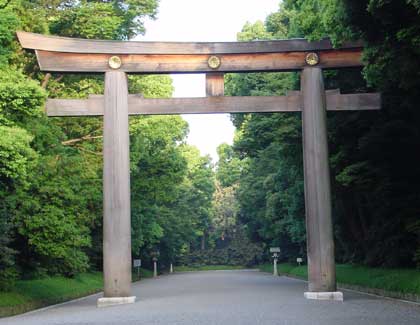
{"points": [[336, 295], [112, 301]]}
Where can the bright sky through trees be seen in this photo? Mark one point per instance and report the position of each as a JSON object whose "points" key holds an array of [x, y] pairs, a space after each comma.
{"points": [[204, 20]]}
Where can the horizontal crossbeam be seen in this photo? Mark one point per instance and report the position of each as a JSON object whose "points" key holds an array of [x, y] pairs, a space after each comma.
{"points": [[77, 45], [137, 105]]}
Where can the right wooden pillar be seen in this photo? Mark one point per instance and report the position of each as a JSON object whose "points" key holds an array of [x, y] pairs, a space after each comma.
{"points": [[319, 230]]}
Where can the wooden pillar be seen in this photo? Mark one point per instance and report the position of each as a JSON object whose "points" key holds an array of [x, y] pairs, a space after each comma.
{"points": [[320, 241], [116, 191]]}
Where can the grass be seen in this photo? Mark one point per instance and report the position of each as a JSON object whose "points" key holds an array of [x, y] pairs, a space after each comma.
{"points": [[207, 268], [32, 294], [405, 281]]}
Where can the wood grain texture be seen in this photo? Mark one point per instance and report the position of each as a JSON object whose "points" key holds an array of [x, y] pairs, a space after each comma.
{"points": [[353, 102], [116, 188], [215, 84], [318, 208], [194, 63], [138, 105], [74, 45]]}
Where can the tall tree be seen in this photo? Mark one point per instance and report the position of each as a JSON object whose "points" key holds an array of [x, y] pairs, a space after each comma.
{"points": [[51, 168], [375, 169]]}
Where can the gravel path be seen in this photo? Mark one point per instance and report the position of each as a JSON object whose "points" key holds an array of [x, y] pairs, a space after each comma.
{"points": [[228, 298]]}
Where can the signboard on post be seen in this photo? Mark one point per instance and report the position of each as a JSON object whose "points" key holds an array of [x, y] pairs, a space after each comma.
{"points": [[137, 264], [275, 251]]}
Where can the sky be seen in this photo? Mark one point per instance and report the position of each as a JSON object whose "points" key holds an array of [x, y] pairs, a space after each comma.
{"points": [[204, 21]]}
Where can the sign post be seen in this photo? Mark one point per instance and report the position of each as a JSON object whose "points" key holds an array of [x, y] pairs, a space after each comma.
{"points": [[155, 267], [275, 251], [155, 254], [137, 265]]}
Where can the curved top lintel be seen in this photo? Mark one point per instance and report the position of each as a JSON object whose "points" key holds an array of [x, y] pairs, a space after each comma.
{"points": [[77, 45]]}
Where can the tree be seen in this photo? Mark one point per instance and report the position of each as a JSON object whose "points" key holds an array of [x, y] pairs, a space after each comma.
{"points": [[50, 169], [374, 166]]}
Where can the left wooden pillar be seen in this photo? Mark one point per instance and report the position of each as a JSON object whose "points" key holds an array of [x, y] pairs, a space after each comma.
{"points": [[116, 192]]}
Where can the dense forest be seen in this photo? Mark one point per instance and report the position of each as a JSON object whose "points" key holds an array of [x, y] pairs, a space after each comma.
{"points": [[183, 206], [374, 156], [51, 168]]}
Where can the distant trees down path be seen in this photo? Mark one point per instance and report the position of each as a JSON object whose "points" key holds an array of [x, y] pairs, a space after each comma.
{"points": [[375, 157]]}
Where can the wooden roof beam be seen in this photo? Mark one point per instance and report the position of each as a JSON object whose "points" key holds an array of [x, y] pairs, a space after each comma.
{"points": [[77, 45], [62, 54]]}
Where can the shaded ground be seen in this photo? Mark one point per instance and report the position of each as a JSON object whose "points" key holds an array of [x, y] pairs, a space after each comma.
{"points": [[226, 297]]}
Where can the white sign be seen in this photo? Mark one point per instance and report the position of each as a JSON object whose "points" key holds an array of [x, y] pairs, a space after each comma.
{"points": [[299, 260], [137, 263], [275, 250]]}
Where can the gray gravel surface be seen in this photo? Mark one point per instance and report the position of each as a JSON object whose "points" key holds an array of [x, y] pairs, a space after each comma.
{"points": [[225, 297]]}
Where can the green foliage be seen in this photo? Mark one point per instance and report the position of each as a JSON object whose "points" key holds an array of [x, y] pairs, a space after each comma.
{"points": [[21, 99], [157, 166], [53, 216], [92, 20], [229, 167], [99, 19], [8, 25], [7, 262], [225, 211], [374, 166], [151, 86], [256, 31], [16, 155], [172, 188], [314, 19]]}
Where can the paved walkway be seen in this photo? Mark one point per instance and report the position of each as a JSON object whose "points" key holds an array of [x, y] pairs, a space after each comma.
{"points": [[228, 298]]}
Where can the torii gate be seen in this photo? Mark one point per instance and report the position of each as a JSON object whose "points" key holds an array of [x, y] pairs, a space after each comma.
{"points": [[116, 58]]}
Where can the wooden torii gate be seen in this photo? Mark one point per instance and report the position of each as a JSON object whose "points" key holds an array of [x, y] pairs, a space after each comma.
{"points": [[116, 58]]}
